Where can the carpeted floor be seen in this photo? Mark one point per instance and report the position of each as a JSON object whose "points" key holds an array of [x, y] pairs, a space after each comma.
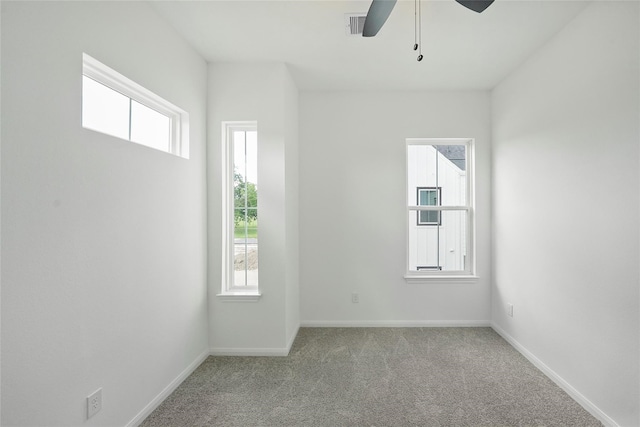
{"points": [[374, 377]]}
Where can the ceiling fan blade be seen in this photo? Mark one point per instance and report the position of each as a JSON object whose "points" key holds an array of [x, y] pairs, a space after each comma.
{"points": [[476, 5], [378, 13]]}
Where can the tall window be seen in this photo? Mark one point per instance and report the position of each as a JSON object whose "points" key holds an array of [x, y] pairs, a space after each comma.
{"points": [[439, 208], [114, 105], [241, 210]]}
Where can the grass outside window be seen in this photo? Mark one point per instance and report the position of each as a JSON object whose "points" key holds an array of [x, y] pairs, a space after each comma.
{"points": [[243, 229]]}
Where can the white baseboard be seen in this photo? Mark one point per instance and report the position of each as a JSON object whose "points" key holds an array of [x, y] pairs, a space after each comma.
{"points": [[138, 419], [281, 352], [266, 352], [395, 323], [292, 338], [575, 394]]}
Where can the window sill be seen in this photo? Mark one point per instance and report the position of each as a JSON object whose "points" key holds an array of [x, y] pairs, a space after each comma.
{"points": [[239, 297], [441, 279]]}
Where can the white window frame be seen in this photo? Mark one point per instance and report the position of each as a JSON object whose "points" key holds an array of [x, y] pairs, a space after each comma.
{"points": [[436, 275], [179, 119], [228, 291]]}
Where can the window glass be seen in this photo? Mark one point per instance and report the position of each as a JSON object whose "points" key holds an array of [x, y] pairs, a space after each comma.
{"points": [[245, 209], [438, 208], [104, 110], [442, 247], [439, 166], [114, 105], [428, 197], [148, 127], [429, 218]]}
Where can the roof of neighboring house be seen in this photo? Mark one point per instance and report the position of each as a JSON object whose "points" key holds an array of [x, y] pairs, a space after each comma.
{"points": [[455, 154]]}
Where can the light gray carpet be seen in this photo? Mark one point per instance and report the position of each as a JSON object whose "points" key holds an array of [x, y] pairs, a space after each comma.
{"points": [[374, 377]]}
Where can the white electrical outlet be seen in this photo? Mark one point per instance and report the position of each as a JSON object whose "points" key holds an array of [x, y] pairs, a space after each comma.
{"points": [[94, 403], [510, 309], [355, 298]]}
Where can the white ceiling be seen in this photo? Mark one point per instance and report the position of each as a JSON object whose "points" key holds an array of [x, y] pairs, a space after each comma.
{"points": [[462, 49]]}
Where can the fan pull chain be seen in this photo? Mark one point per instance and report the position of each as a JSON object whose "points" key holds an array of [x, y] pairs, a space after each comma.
{"points": [[417, 27], [420, 30], [415, 24]]}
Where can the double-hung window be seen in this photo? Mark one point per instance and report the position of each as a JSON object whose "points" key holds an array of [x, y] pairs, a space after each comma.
{"points": [[440, 211], [240, 211]]}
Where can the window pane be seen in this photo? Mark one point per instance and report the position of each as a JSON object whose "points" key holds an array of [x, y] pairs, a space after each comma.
{"points": [[437, 166], [245, 195], [252, 265], [429, 217], [246, 252], [427, 197], [104, 110], [432, 198], [239, 159], [239, 192], [423, 197], [456, 154], [246, 265], [150, 128], [239, 263], [252, 157], [245, 172], [245, 224], [439, 247], [245, 200]]}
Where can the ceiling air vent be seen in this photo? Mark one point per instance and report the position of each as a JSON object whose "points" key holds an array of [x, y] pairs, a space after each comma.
{"points": [[354, 22]]}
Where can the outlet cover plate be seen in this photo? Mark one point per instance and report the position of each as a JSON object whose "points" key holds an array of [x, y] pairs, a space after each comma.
{"points": [[94, 403]]}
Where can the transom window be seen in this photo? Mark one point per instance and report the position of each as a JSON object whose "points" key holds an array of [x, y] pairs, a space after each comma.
{"points": [[439, 208], [114, 105]]}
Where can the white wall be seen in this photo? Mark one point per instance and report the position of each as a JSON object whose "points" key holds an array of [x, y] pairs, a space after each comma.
{"points": [[103, 245], [264, 93], [353, 207], [566, 207], [292, 254]]}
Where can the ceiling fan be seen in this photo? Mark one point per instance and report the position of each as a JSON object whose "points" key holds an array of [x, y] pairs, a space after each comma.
{"points": [[380, 10]]}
